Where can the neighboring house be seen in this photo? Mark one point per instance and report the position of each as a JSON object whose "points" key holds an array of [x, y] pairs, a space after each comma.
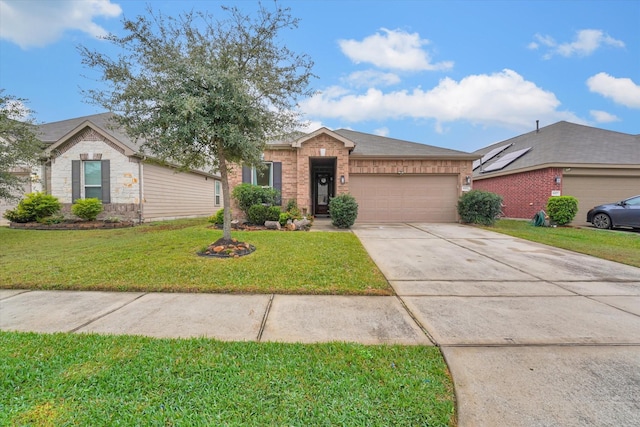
{"points": [[90, 157], [594, 165], [392, 180]]}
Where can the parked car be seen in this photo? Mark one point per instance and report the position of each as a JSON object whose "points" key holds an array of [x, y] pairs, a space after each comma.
{"points": [[625, 213]]}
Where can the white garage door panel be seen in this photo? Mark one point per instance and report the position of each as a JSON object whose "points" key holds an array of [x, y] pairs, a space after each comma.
{"points": [[597, 190], [405, 198]]}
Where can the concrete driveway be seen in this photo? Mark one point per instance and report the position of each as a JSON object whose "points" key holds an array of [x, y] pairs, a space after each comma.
{"points": [[533, 335]]}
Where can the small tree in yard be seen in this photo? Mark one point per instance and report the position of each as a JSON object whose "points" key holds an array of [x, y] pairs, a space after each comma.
{"points": [[19, 144], [202, 92]]}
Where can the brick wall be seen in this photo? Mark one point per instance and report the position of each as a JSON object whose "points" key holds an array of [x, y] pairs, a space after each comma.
{"points": [[524, 193]]}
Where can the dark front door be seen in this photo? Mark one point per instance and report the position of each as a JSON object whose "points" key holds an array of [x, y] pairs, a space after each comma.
{"points": [[323, 193]]}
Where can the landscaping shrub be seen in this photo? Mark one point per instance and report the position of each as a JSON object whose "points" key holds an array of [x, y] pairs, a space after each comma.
{"points": [[34, 207], [283, 218], [479, 207], [249, 195], [273, 213], [562, 209], [87, 209], [218, 218], [293, 210], [343, 210], [257, 214]]}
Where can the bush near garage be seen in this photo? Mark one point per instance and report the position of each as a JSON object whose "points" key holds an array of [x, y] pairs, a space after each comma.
{"points": [[562, 209], [34, 207], [343, 210], [479, 207]]}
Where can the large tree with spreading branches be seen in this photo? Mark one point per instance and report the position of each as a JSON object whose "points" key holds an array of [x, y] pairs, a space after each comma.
{"points": [[204, 92], [19, 144]]}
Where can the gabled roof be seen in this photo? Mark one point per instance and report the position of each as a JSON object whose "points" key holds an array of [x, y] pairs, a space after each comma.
{"points": [[55, 134], [298, 142], [367, 145], [565, 144]]}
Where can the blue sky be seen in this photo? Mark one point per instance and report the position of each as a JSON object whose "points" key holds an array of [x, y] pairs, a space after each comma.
{"points": [[455, 74]]}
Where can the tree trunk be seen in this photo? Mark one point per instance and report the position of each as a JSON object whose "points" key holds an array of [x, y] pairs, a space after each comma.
{"points": [[226, 196]]}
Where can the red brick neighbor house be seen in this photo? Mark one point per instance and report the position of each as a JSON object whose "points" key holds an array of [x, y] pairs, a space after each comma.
{"points": [[392, 180], [594, 165]]}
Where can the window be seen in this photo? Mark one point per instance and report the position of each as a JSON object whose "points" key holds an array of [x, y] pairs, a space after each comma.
{"points": [[263, 176], [92, 179], [218, 192]]}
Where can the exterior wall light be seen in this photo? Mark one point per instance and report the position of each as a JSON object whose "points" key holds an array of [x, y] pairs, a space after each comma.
{"points": [[467, 180], [342, 179], [557, 180]]}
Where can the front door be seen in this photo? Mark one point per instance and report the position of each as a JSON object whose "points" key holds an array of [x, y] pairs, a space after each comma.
{"points": [[323, 193]]}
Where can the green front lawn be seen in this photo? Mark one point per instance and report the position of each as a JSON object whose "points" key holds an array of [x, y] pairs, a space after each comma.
{"points": [[619, 246], [162, 257], [70, 379]]}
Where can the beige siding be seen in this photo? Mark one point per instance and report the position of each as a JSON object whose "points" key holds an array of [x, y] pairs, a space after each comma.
{"points": [[597, 190], [405, 198], [168, 194]]}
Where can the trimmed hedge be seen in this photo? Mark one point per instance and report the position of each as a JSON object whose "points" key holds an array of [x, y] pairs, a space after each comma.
{"points": [[34, 207], [343, 210], [562, 209], [479, 207], [87, 209]]}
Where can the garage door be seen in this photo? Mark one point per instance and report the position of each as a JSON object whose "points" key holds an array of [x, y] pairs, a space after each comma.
{"points": [[597, 190], [405, 198]]}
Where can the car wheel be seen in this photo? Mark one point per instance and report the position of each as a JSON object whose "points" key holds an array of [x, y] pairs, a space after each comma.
{"points": [[601, 220]]}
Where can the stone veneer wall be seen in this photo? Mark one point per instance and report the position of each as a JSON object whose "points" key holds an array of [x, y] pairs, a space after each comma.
{"points": [[124, 171]]}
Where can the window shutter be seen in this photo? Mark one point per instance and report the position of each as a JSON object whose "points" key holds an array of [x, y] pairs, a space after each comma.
{"points": [[277, 181], [75, 180], [246, 175], [106, 181]]}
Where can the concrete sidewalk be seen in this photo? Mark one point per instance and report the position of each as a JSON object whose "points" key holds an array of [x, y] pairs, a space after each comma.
{"points": [[533, 335], [283, 318]]}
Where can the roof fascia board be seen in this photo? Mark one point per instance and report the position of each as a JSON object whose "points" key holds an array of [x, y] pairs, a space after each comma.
{"points": [[416, 157]]}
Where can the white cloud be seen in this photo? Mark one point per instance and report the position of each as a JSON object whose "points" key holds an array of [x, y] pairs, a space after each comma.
{"points": [[585, 43], [621, 90], [383, 131], [603, 116], [503, 99], [30, 23], [392, 49], [370, 78]]}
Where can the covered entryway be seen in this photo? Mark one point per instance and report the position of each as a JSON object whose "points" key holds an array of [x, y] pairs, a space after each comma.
{"points": [[597, 190], [322, 184], [405, 198]]}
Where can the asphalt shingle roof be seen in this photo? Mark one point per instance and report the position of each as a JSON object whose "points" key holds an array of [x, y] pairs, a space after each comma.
{"points": [[49, 133], [565, 143], [375, 145]]}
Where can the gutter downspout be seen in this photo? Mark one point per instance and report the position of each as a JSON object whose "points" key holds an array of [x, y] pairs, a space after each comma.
{"points": [[141, 193]]}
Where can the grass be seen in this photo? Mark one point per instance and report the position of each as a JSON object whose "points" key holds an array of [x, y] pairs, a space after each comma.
{"points": [[619, 246], [71, 379], [162, 257]]}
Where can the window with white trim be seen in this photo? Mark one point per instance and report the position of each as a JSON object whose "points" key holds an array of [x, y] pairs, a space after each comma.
{"points": [[92, 179], [218, 193], [263, 176]]}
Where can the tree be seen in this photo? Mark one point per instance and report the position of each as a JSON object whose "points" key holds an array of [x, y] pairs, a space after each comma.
{"points": [[201, 92], [19, 144]]}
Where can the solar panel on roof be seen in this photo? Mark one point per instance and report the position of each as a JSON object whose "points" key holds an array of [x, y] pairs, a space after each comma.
{"points": [[506, 159], [490, 155]]}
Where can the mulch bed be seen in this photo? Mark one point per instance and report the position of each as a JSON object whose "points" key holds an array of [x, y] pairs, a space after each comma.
{"points": [[225, 248]]}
